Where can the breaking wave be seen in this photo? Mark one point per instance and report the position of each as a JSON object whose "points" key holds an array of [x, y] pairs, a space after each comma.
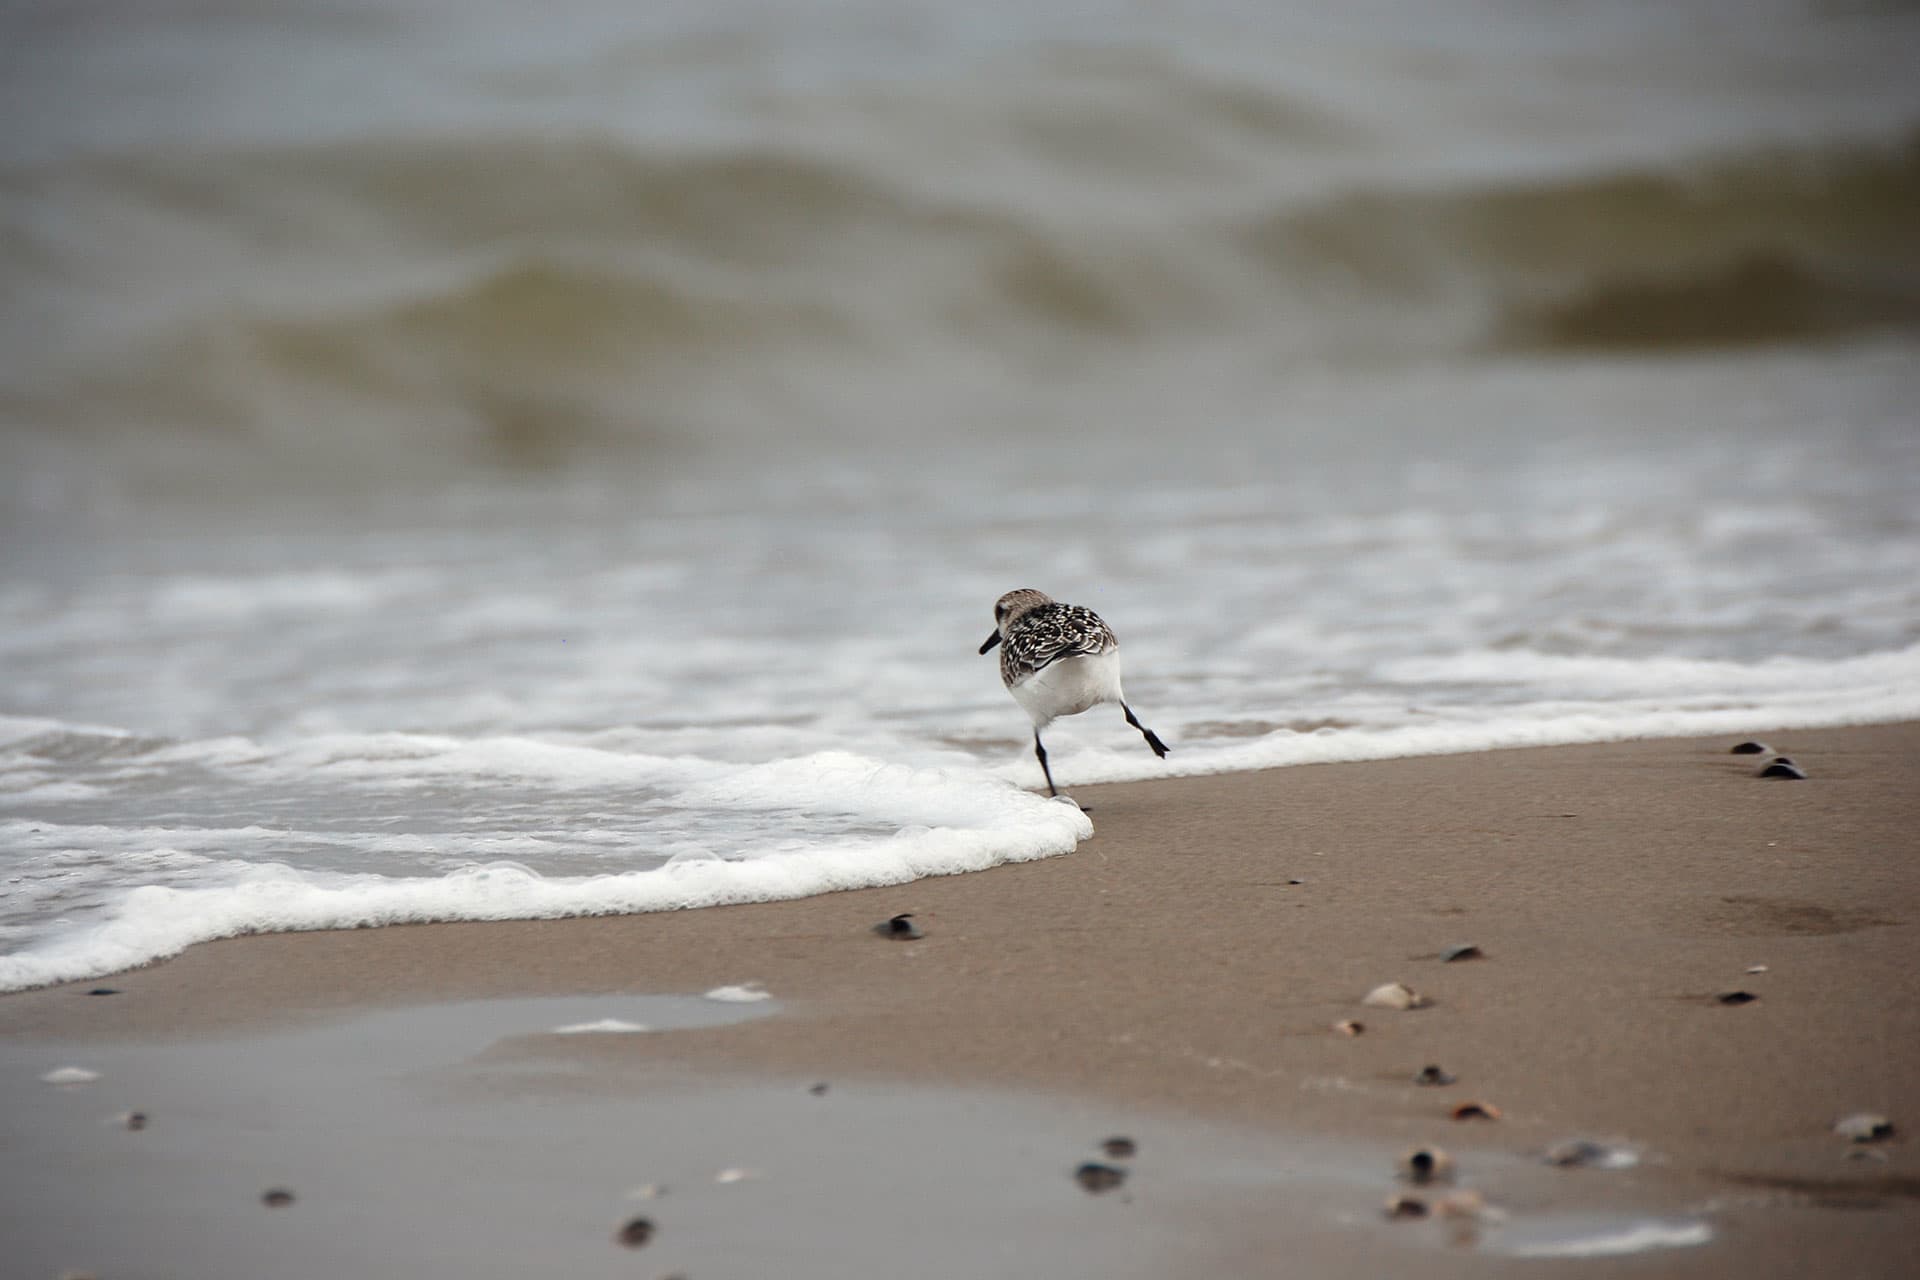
{"points": [[516, 301]]}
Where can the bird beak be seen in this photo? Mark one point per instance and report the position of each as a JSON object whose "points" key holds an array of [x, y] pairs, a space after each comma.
{"points": [[992, 640]]}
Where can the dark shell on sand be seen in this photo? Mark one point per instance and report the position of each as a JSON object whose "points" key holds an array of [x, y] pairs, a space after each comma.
{"points": [[1433, 1074], [1398, 1207], [104, 991], [1465, 951], [818, 1090], [1750, 749], [1735, 997], [1783, 768], [1119, 1148], [1097, 1178], [634, 1232], [277, 1198], [1576, 1153], [1349, 1027], [1864, 1126], [1426, 1164], [900, 927], [1475, 1111], [136, 1120]]}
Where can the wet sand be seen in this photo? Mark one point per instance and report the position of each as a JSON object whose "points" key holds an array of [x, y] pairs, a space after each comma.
{"points": [[1181, 973]]}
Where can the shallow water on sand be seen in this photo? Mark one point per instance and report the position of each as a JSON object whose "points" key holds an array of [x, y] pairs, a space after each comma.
{"points": [[468, 1139]]}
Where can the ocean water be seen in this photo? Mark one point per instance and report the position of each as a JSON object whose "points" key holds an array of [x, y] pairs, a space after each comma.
{"points": [[458, 465]]}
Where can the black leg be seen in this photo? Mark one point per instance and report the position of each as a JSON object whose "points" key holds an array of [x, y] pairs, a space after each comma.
{"points": [[1153, 739], [1041, 751]]}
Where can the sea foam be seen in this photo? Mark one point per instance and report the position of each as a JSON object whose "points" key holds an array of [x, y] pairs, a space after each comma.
{"points": [[984, 822]]}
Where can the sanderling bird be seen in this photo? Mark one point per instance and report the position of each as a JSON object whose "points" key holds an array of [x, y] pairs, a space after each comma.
{"points": [[1058, 660]]}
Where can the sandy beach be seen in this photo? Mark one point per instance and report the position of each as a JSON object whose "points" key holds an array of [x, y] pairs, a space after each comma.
{"points": [[1178, 978]]}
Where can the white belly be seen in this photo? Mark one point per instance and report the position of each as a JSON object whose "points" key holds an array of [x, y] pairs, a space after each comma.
{"points": [[1068, 687]]}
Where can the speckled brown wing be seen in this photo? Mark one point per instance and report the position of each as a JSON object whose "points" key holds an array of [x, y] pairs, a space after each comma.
{"points": [[1045, 635]]}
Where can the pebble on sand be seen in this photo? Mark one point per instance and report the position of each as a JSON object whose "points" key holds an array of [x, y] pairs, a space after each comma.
{"points": [[1434, 1074], [1475, 1111], [1395, 995], [1783, 768], [1119, 1148], [1426, 1164], [1096, 1178], [1462, 1204], [135, 1120], [900, 927], [104, 991], [1465, 951], [276, 1198], [70, 1075], [1864, 1126], [634, 1232], [819, 1088], [1349, 1027], [1750, 749], [1585, 1153], [1735, 997], [1401, 1207]]}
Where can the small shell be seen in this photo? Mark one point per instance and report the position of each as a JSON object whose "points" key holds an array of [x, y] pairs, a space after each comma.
{"points": [[135, 1120], [1756, 968], [1462, 1204], [1426, 1164], [1119, 1148], [1750, 749], [1348, 1027], [900, 928], [104, 991], [819, 1088], [276, 1197], [1395, 995], [634, 1232], [1399, 1207], [1432, 1074], [1475, 1111], [1584, 1153], [1735, 997], [1096, 1178], [1783, 768], [1465, 951], [728, 1176], [1864, 1126], [648, 1191]]}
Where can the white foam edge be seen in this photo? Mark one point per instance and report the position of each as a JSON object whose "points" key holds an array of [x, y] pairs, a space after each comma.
{"points": [[1614, 1242], [153, 922], [1557, 726], [745, 993], [598, 1027], [70, 1075]]}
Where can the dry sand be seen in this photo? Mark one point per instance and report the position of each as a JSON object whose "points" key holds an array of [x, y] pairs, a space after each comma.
{"points": [[1186, 966]]}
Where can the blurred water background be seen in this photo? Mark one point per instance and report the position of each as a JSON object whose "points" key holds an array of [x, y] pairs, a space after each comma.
{"points": [[460, 460]]}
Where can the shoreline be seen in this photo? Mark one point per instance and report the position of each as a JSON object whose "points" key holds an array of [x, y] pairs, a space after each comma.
{"points": [[1173, 964]]}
